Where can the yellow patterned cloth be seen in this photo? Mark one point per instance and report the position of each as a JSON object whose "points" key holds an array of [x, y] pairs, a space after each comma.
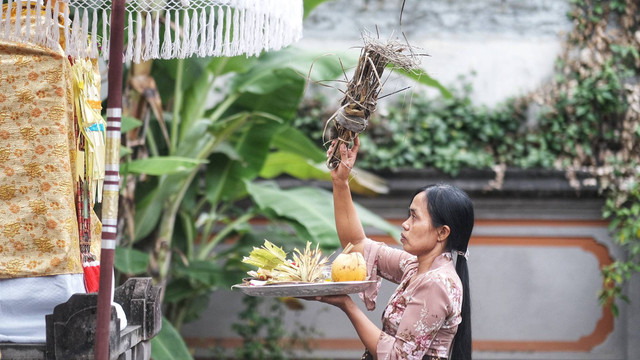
{"points": [[38, 223]]}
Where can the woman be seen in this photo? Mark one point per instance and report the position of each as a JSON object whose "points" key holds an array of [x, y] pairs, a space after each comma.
{"points": [[428, 317]]}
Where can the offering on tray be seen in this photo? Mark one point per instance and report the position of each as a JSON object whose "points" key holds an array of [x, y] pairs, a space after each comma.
{"points": [[349, 266], [273, 265], [307, 273]]}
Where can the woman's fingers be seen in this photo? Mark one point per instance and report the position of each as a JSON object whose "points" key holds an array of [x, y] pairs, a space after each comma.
{"points": [[356, 144], [330, 150], [343, 150]]}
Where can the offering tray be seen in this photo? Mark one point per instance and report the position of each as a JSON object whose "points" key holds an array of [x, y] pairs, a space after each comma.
{"points": [[301, 289]]}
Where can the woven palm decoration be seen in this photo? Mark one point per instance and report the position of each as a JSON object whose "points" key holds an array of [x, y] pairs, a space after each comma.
{"points": [[189, 27]]}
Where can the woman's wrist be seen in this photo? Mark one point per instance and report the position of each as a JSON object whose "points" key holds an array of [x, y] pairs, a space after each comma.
{"points": [[340, 183], [348, 305]]}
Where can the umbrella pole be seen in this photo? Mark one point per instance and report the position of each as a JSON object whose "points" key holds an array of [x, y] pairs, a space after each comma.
{"points": [[112, 180]]}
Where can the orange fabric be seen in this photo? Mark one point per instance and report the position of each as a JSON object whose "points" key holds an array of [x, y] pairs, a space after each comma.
{"points": [[38, 226]]}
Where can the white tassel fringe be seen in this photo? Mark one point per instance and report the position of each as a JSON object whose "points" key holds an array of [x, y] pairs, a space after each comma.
{"points": [[201, 27]]}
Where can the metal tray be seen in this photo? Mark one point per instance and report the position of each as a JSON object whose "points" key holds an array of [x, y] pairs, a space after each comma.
{"points": [[304, 289]]}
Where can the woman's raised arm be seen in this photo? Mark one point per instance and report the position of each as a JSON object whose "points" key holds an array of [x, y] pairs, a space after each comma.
{"points": [[348, 223]]}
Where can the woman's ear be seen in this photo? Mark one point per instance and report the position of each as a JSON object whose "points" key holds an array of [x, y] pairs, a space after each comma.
{"points": [[443, 232]]}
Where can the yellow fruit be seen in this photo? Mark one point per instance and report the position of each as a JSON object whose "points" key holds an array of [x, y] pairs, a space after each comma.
{"points": [[349, 267]]}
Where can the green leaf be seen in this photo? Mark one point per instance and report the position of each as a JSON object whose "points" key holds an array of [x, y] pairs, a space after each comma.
{"points": [[129, 123], [293, 164], [301, 158], [224, 65], [149, 208], [309, 5], [294, 141], [179, 289], [130, 261], [168, 344], [274, 91], [165, 72], [225, 176], [205, 273], [312, 208], [124, 151], [148, 211], [194, 104], [423, 78], [161, 165]]}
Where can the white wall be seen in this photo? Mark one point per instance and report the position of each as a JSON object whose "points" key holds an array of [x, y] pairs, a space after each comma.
{"points": [[511, 45]]}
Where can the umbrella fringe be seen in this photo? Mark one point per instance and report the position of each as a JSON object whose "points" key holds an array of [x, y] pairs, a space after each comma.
{"points": [[202, 28]]}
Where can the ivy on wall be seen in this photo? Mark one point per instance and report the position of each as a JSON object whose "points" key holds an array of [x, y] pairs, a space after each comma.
{"points": [[586, 120], [593, 120], [447, 134]]}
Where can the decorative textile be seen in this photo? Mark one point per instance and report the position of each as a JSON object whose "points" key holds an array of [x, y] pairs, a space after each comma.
{"points": [[423, 314], [200, 27], [37, 162], [367, 356], [91, 127], [90, 164]]}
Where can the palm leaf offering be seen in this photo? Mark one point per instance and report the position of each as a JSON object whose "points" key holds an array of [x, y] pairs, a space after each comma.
{"points": [[361, 96], [307, 266], [273, 266], [267, 257]]}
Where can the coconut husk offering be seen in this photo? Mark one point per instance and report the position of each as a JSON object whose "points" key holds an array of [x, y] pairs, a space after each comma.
{"points": [[361, 96]]}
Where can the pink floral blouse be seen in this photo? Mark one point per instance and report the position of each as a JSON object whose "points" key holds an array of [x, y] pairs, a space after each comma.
{"points": [[424, 312]]}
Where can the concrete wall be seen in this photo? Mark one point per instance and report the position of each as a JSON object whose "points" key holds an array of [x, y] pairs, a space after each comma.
{"points": [[511, 45], [535, 259]]}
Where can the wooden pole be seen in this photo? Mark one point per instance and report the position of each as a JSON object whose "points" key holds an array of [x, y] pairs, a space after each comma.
{"points": [[112, 180]]}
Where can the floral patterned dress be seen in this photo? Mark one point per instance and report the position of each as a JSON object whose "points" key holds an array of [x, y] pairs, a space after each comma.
{"points": [[423, 314]]}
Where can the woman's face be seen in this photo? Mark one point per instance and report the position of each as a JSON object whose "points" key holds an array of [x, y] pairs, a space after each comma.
{"points": [[419, 236]]}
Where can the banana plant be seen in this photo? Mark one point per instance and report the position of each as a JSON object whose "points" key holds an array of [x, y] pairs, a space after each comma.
{"points": [[206, 163]]}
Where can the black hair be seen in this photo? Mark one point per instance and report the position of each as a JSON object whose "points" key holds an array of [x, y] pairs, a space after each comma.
{"points": [[451, 206]]}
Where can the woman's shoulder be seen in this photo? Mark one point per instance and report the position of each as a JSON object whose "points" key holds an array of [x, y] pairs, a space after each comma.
{"points": [[443, 278]]}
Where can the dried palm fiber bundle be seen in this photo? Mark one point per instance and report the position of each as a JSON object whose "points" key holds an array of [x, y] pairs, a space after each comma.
{"points": [[361, 96], [165, 29]]}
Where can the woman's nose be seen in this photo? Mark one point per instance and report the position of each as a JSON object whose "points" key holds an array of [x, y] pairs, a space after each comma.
{"points": [[405, 225]]}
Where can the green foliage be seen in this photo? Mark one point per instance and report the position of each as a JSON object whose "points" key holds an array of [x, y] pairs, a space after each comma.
{"points": [[261, 329], [130, 261], [594, 121], [584, 122], [309, 210], [263, 333], [444, 133], [168, 344]]}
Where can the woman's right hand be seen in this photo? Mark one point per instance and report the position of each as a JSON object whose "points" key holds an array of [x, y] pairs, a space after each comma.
{"points": [[347, 159]]}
